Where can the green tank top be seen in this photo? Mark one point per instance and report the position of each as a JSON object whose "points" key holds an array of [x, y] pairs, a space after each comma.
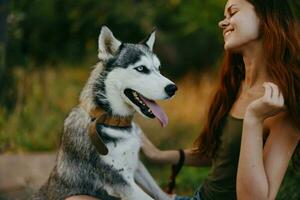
{"points": [[221, 182]]}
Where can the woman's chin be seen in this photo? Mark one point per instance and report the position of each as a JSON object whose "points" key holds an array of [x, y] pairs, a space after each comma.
{"points": [[232, 48], [228, 46]]}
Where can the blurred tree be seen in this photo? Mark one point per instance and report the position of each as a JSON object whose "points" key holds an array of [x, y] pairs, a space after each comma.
{"points": [[50, 31], [6, 79], [66, 30], [3, 16], [295, 4]]}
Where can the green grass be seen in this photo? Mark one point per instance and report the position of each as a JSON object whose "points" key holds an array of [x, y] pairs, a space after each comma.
{"points": [[43, 101], [45, 97]]}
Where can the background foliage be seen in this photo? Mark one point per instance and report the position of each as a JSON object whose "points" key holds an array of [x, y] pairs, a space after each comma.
{"points": [[52, 31], [65, 30]]}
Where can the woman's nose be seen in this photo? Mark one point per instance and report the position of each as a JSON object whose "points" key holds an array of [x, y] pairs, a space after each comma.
{"points": [[224, 23]]}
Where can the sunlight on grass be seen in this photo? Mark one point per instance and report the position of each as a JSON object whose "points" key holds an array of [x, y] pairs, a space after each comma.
{"points": [[44, 99]]}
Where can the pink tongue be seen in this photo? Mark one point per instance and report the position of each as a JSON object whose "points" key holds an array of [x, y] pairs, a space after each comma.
{"points": [[157, 111]]}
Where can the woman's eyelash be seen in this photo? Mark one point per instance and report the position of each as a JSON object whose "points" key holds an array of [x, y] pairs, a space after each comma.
{"points": [[233, 13]]}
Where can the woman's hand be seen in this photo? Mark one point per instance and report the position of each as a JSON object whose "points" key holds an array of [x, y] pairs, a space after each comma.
{"points": [[172, 196], [269, 105]]}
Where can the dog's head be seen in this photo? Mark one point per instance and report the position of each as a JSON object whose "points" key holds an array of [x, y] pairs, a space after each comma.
{"points": [[131, 79]]}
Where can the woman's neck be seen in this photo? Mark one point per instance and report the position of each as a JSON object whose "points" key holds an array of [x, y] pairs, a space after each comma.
{"points": [[255, 66]]}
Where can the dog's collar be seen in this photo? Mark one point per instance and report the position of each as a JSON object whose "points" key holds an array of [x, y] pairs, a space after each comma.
{"points": [[99, 116]]}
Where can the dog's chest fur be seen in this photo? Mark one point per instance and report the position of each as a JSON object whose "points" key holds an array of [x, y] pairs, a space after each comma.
{"points": [[123, 149]]}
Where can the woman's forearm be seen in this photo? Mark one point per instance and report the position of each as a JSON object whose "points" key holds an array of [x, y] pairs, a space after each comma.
{"points": [[172, 157], [167, 157], [252, 182]]}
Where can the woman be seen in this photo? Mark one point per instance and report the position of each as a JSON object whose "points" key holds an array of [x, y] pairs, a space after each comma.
{"points": [[253, 124]]}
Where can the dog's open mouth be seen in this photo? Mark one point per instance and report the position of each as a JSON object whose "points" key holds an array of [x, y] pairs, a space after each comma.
{"points": [[147, 106]]}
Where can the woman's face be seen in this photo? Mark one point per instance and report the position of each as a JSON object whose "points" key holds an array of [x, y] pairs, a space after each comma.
{"points": [[240, 25]]}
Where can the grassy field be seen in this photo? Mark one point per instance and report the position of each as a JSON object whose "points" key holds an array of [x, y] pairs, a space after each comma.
{"points": [[44, 98]]}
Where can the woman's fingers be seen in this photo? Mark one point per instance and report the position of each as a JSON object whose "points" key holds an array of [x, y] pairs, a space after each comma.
{"points": [[273, 95], [275, 90], [281, 99], [271, 103], [268, 92]]}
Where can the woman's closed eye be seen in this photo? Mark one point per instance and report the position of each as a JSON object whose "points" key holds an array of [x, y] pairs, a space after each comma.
{"points": [[232, 13]]}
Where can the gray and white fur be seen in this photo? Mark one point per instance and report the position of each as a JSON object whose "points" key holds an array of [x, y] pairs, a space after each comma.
{"points": [[80, 169]]}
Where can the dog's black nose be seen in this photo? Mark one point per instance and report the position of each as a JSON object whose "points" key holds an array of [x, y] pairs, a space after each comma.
{"points": [[170, 89]]}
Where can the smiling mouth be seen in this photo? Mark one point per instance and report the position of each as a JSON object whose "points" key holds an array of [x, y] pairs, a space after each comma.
{"points": [[226, 33], [147, 106]]}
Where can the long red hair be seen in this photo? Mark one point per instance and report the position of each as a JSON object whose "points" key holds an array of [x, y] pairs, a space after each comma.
{"points": [[281, 41]]}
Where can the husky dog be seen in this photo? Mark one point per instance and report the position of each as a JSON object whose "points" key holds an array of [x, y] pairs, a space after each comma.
{"points": [[125, 80]]}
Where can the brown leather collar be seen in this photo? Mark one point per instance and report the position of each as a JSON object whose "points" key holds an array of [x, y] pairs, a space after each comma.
{"points": [[99, 116], [104, 118]]}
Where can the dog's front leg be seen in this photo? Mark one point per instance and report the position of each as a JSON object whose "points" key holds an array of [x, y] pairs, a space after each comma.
{"points": [[134, 192], [145, 180]]}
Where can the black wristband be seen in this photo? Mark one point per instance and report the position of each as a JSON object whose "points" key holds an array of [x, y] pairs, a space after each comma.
{"points": [[175, 170], [181, 159]]}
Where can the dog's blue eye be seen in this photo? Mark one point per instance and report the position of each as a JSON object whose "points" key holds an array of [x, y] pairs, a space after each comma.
{"points": [[142, 69]]}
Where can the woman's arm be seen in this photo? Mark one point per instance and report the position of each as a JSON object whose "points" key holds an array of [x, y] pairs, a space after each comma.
{"points": [[261, 169], [171, 156]]}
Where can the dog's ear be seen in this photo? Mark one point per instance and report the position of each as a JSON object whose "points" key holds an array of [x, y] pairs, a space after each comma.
{"points": [[108, 45], [149, 41]]}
